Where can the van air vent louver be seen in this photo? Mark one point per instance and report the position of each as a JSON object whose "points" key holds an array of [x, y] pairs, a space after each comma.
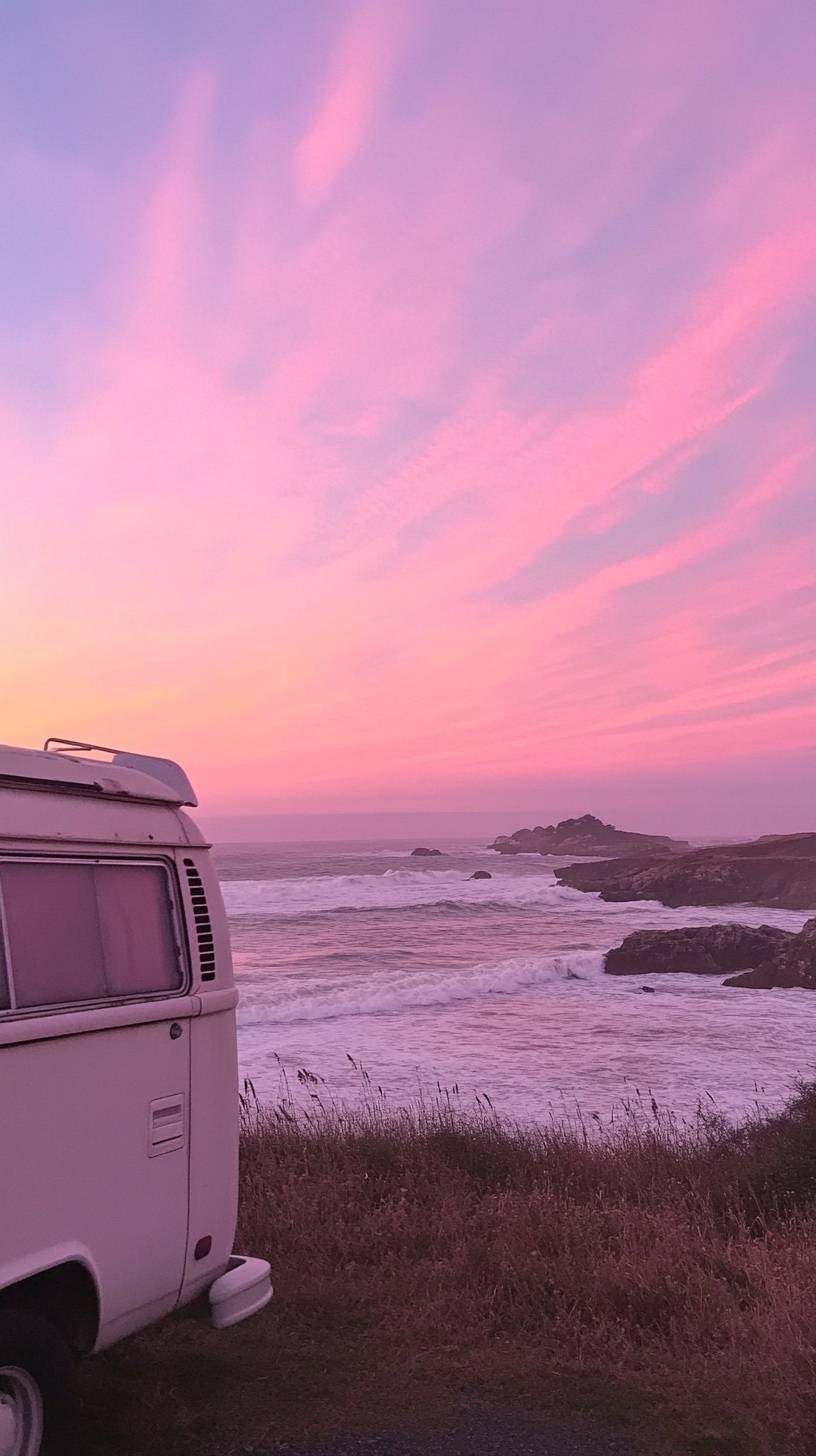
{"points": [[201, 915]]}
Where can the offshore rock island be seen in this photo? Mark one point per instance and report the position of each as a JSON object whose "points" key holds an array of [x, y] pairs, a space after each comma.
{"points": [[585, 836]]}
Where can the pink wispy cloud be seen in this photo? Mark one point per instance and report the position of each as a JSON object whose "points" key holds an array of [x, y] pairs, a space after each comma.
{"points": [[326, 455], [346, 111]]}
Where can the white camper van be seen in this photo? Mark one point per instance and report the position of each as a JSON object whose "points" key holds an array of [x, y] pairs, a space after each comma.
{"points": [[118, 1071]]}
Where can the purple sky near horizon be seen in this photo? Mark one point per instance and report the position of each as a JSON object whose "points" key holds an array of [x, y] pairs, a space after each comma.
{"points": [[411, 406]]}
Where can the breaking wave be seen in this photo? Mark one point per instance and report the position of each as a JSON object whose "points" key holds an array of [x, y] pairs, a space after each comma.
{"points": [[309, 1000], [393, 890]]}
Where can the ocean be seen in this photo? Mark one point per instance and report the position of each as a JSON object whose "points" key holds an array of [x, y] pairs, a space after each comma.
{"points": [[356, 955]]}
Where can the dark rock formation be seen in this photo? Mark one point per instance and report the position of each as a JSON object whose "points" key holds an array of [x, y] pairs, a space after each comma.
{"points": [[588, 836], [706, 950], [480, 875], [778, 871], [793, 966], [426, 852]]}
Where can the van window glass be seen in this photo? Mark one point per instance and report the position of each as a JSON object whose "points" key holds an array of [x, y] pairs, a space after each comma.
{"points": [[4, 991], [136, 929], [88, 932], [52, 927]]}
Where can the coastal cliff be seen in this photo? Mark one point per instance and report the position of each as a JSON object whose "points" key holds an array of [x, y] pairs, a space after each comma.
{"points": [[585, 836], [701, 950], [778, 871], [793, 966], [765, 956]]}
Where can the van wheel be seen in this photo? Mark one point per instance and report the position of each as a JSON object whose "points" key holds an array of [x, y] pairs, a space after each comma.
{"points": [[36, 1377]]}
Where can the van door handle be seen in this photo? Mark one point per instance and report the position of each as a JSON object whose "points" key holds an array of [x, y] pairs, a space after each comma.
{"points": [[166, 1125]]}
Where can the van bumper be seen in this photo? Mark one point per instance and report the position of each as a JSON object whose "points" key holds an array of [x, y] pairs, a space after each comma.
{"points": [[242, 1290]]}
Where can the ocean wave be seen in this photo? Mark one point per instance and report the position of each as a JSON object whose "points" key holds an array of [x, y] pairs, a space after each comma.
{"points": [[392, 890], [392, 992], [452, 851]]}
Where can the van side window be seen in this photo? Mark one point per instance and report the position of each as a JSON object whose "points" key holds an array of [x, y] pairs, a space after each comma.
{"points": [[5, 1001], [88, 932]]}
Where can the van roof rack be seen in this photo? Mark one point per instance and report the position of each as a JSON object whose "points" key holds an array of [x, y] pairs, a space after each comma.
{"points": [[164, 770]]}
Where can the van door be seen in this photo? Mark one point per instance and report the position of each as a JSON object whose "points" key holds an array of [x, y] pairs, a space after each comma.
{"points": [[95, 1076]]}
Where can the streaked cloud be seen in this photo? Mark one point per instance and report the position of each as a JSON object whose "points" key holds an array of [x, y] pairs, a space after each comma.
{"points": [[440, 417], [347, 109]]}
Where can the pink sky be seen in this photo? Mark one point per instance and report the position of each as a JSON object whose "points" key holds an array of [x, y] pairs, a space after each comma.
{"points": [[412, 406]]}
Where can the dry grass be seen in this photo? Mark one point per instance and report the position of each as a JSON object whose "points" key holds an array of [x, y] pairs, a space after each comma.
{"points": [[666, 1272]]}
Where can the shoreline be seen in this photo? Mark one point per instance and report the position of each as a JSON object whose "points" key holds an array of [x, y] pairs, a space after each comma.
{"points": [[480, 991]]}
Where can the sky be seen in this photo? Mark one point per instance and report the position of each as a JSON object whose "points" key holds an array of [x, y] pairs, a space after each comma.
{"points": [[409, 405]]}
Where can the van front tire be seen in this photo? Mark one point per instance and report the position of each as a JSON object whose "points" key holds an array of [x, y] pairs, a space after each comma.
{"points": [[36, 1386]]}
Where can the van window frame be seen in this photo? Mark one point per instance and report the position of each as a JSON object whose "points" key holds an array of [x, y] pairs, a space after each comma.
{"points": [[177, 917]]}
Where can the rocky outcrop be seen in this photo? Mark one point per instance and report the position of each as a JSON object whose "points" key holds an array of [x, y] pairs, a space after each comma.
{"points": [[584, 836], [426, 853], [794, 965], [777, 871], [480, 875], [704, 950]]}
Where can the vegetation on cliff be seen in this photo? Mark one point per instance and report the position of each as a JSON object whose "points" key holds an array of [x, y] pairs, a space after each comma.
{"points": [[665, 1275]]}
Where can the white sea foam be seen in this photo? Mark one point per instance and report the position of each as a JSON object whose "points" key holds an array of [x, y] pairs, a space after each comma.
{"points": [[427, 989], [395, 889], [384, 992]]}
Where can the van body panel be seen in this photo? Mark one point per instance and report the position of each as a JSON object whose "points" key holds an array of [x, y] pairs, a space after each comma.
{"points": [[133, 1320], [214, 1076], [213, 1147], [196, 874], [19, 1027], [29, 814], [76, 1130], [213, 1002]]}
